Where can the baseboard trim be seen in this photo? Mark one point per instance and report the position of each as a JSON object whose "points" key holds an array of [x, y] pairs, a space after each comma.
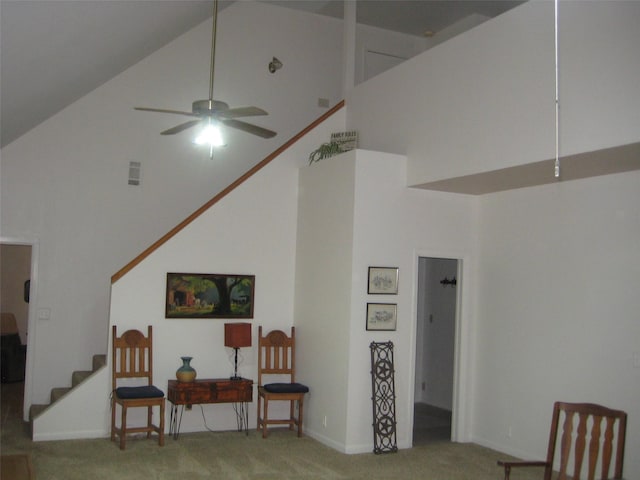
{"points": [[83, 435]]}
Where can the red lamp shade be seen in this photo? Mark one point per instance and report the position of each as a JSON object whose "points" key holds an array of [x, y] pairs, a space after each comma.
{"points": [[237, 335]]}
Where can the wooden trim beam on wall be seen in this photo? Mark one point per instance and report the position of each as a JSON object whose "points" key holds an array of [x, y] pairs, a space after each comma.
{"points": [[256, 168]]}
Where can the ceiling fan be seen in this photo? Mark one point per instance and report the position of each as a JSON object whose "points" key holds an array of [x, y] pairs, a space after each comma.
{"points": [[210, 113]]}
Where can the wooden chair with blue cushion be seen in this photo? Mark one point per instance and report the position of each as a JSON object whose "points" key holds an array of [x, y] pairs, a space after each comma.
{"points": [[587, 438], [276, 356], [132, 362]]}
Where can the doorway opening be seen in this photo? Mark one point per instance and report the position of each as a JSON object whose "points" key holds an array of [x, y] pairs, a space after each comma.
{"points": [[435, 349], [18, 270]]}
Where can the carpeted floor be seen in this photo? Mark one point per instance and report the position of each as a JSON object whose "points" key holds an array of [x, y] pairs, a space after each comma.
{"points": [[430, 424], [233, 455]]}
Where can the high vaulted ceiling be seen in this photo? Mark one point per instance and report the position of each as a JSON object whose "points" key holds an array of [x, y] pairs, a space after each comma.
{"points": [[53, 52]]}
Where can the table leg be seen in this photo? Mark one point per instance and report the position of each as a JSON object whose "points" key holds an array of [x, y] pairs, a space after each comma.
{"points": [[242, 416], [175, 422]]}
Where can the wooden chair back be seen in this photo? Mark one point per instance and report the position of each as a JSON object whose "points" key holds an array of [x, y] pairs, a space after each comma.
{"points": [[276, 354], [132, 356], [589, 440], [8, 324]]}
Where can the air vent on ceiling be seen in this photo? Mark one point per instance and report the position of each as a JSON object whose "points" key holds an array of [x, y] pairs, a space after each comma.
{"points": [[135, 168]]}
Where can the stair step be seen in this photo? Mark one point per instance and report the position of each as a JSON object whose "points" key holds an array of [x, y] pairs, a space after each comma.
{"points": [[36, 410], [99, 361], [79, 376], [57, 393]]}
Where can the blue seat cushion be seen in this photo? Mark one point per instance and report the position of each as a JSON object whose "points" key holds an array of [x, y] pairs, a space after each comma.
{"points": [[139, 392], [286, 388]]}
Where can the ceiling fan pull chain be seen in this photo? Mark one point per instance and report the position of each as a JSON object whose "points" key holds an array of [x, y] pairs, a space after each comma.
{"points": [[213, 51]]}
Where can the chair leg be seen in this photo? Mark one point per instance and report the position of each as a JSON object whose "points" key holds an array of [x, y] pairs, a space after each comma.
{"points": [[266, 416], [113, 420], [161, 433], [123, 428], [258, 417], [300, 408], [292, 411], [149, 420]]}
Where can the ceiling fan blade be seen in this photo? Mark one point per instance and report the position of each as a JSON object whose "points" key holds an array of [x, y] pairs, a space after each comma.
{"points": [[162, 110], [181, 127], [242, 112], [249, 128]]}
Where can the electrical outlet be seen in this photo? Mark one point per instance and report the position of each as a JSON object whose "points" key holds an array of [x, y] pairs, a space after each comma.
{"points": [[324, 422]]}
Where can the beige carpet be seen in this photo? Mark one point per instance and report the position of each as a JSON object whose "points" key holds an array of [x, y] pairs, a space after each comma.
{"points": [[232, 456], [235, 456]]}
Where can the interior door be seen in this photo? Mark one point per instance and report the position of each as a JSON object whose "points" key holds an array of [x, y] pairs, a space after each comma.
{"points": [[435, 348]]}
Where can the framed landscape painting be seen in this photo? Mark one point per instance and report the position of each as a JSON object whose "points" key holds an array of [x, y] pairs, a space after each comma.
{"points": [[209, 295]]}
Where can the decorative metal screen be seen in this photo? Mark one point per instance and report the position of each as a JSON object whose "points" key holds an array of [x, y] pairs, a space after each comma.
{"points": [[384, 398]]}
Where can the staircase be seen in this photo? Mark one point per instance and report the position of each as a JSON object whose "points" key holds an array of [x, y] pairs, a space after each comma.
{"points": [[77, 378]]}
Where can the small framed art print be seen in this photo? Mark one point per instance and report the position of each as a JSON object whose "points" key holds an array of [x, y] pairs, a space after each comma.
{"points": [[381, 316], [383, 280]]}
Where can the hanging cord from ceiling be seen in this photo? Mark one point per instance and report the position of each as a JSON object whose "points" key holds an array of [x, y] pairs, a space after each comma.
{"points": [[557, 98]]}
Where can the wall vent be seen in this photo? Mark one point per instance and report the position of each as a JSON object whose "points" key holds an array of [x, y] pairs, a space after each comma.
{"points": [[135, 169]]}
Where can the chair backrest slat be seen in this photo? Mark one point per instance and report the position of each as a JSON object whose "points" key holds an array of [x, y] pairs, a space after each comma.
{"points": [[582, 423], [607, 446], [594, 446], [580, 444], [565, 445], [276, 354]]}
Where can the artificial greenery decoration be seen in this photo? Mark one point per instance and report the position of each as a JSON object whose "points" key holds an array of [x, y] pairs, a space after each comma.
{"points": [[325, 150]]}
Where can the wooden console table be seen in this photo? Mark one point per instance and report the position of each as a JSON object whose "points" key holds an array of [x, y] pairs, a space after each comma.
{"points": [[210, 390]]}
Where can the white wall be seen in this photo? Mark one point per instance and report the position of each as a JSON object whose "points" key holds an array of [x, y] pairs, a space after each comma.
{"points": [[561, 258], [394, 226], [250, 231], [324, 253], [559, 276], [391, 226], [479, 103], [65, 182]]}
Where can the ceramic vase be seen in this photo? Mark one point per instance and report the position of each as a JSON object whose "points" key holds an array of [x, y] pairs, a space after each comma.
{"points": [[186, 373]]}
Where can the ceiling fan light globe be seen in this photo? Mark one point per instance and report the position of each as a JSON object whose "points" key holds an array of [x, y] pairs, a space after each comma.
{"points": [[210, 135]]}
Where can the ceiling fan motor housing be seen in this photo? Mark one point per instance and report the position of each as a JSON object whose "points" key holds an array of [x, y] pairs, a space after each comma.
{"points": [[202, 106], [215, 110]]}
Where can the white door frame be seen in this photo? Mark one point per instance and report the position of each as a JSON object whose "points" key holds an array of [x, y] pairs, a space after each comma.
{"points": [[460, 418], [31, 323]]}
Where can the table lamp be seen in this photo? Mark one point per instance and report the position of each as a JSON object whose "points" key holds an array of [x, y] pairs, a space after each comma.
{"points": [[237, 335]]}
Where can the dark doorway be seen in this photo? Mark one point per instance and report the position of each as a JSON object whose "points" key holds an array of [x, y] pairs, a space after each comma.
{"points": [[435, 342], [15, 292]]}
